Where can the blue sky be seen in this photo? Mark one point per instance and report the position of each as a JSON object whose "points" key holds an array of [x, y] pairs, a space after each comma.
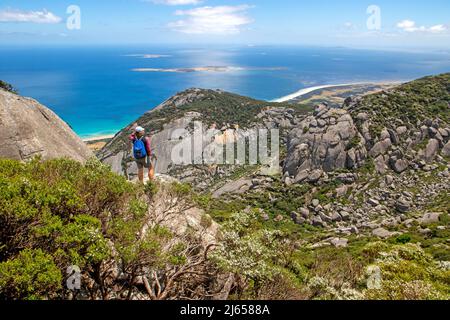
{"points": [[392, 24]]}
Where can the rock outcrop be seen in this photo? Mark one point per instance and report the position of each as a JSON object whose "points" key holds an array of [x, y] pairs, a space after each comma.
{"points": [[327, 140], [446, 150], [29, 129], [376, 127]]}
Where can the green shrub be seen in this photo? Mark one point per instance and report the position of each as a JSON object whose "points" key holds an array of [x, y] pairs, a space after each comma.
{"points": [[151, 189], [408, 273], [37, 193], [404, 238], [248, 250], [53, 214], [32, 275], [59, 213]]}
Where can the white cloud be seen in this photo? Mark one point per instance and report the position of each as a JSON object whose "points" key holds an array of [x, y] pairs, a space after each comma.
{"points": [[44, 16], [407, 25], [175, 2], [411, 26], [438, 28], [348, 25], [212, 20]]}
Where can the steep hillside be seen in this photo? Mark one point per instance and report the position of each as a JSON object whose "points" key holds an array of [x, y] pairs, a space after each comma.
{"points": [[378, 167], [422, 100], [372, 174], [129, 242], [29, 129]]}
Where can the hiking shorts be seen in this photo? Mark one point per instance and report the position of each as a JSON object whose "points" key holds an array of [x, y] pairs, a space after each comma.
{"points": [[144, 163]]}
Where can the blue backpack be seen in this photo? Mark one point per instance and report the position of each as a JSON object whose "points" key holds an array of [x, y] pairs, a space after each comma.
{"points": [[139, 150]]}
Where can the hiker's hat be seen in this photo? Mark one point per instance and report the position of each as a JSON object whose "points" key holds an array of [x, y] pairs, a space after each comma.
{"points": [[139, 129]]}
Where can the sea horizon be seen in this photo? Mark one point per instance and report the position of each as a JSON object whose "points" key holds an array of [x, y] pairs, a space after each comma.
{"points": [[99, 91]]}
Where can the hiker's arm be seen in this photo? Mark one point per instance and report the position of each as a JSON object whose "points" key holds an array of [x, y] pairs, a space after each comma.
{"points": [[131, 139], [148, 147]]}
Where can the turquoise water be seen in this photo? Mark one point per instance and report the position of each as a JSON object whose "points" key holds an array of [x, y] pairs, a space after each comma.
{"points": [[95, 90]]}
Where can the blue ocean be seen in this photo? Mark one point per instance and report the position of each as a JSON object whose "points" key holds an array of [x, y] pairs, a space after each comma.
{"points": [[98, 92]]}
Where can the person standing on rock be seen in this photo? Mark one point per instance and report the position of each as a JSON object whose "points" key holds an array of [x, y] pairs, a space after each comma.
{"points": [[142, 153]]}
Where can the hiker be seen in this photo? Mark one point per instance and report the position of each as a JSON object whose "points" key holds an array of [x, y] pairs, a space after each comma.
{"points": [[142, 153]]}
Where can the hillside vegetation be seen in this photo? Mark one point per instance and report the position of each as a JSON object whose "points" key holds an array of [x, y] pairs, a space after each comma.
{"points": [[411, 103], [56, 214]]}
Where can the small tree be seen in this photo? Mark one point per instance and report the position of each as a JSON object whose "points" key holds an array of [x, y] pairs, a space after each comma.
{"points": [[248, 251], [8, 87]]}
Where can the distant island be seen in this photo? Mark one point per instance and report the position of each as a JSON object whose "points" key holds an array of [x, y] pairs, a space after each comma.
{"points": [[206, 69], [148, 56]]}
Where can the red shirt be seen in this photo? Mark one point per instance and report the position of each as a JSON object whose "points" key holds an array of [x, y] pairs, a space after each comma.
{"points": [[146, 143]]}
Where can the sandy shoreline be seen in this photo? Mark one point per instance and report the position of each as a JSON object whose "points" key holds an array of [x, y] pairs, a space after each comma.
{"points": [[99, 137], [305, 91]]}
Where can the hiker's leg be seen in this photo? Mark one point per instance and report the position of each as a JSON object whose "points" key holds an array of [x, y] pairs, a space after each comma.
{"points": [[151, 170], [140, 169], [141, 174], [151, 173]]}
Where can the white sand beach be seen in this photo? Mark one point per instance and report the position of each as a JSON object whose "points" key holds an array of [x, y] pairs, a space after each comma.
{"points": [[305, 91], [99, 137]]}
